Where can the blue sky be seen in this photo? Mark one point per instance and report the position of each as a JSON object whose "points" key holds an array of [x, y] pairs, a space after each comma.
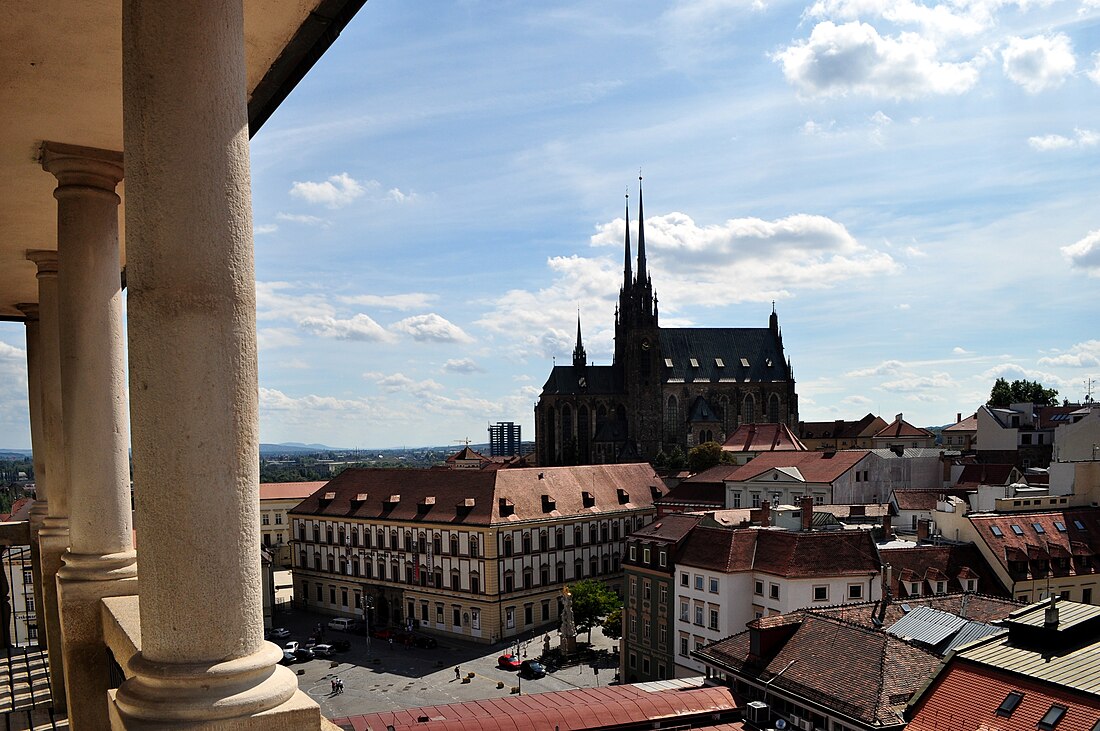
{"points": [[914, 184]]}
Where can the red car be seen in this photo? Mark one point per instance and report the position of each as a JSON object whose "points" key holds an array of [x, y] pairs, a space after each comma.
{"points": [[508, 661], [382, 633]]}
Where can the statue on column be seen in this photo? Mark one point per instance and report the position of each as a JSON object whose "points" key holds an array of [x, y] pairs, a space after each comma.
{"points": [[568, 625]]}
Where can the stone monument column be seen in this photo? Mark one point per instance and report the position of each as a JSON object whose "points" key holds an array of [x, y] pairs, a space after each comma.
{"points": [[100, 561], [40, 506], [193, 382]]}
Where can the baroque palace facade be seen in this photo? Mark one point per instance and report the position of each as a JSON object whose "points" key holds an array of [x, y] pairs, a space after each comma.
{"points": [[666, 387], [479, 554]]}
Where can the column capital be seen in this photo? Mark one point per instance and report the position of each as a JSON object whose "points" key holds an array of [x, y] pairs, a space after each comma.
{"points": [[29, 310], [88, 167], [46, 259]]}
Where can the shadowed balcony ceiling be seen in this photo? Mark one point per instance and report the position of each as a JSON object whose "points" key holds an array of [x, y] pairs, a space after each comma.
{"points": [[61, 80]]}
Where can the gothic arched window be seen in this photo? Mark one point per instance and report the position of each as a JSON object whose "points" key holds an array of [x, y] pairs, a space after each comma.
{"points": [[748, 410], [671, 413], [773, 409]]}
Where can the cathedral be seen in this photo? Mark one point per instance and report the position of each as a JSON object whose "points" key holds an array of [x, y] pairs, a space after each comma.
{"points": [[666, 388]]}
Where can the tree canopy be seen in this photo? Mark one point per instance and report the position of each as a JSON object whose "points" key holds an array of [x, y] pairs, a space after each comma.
{"points": [[613, 625], [592, 601], [707, 455], [1004, 394]]}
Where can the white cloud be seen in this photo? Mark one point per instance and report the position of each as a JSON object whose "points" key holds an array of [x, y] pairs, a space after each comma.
{"points": [[856, 400], [267, 228], [880, 119], [1085, 254], [910, 382], [357, 327], [885, 368], [1081, 355], [942, 20], [961, 351], [336, 192], [1016, 372], [395, 195], [904, 306], [431, 327], [837, 60], [1095, 73], [270, 338], [1040, 62], [1081, 138], [915, 253], [274, 400], [409, 301], [462, 365], [12, 353], [301, 218], [399, 382]]}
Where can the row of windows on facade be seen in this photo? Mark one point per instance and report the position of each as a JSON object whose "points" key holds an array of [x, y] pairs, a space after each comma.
{"points": [[647, 555], [265, 519], [820, 592], [420, 575], [782, 707], [632, 663], [416, 543], [459, 618], [755, 499]]}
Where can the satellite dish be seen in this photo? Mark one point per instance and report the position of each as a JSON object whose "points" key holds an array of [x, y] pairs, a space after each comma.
{"points": [[781, 724]]}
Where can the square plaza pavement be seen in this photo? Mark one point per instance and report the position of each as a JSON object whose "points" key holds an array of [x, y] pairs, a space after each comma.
{"points": [[379, 676]]}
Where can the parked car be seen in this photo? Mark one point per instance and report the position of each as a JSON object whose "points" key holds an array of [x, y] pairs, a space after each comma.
{"points": [[424, 641], [341, 623], [288, 658], [277, 633], [532, 669], [324, 650], [291, 646], [303, 654], [340, 645], [508, 661]]}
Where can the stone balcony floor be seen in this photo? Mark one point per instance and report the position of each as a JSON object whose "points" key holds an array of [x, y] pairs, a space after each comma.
{"points": [[25, 700]]}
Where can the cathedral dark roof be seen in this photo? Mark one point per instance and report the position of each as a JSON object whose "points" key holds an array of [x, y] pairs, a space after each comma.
{"points": [[732, 346], [565, 379]]}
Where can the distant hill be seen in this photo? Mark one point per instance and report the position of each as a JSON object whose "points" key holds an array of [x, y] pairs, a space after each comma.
{"points": [[14, 453], [295, 448]]}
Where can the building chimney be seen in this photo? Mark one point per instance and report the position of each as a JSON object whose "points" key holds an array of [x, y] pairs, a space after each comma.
{"points": [[924, 527], [807, 502], [958, 417], [765, 514], [1050, 617], [887, 526]]}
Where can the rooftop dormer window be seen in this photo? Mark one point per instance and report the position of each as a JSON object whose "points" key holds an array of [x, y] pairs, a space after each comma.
{"points": [[1008, 705]]}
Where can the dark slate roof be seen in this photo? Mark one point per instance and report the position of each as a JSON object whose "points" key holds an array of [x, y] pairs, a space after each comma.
{"points": [[701, 411], [598, 380], [613, 430], [755, 344]]}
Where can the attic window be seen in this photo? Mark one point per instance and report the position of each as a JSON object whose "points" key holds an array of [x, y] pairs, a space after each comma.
{"points": [[624, 497], [996, 531], [744, 362], [430, 500], [507, 507], [1017, 529], [361, 497], [694, 362], [548, 503], [1051, 718], [1008, 705], [719, 362], [668, 362], [395, 499], [588, 499], [330, 496], [1078, 525], [1038, 528], [1060, 526], [468, 502]]}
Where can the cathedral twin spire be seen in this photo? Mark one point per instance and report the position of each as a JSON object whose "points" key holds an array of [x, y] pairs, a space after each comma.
{"points": [[637, 293]]}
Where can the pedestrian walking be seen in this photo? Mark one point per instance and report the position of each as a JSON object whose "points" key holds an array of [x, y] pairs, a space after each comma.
{"points": [[333, 681], [458, 673]]}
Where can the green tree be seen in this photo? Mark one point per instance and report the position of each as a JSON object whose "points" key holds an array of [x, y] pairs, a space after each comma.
{"points": [[613, 625], [707, 455], [1003, 394], [676, 459], [592, 601]]}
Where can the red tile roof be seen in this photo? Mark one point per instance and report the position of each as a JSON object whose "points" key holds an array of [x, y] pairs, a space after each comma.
{"points": [[970, 423], [613, 488], [780, 552], [901, 429], [814, 466], [288, 490], [861, 673], [976, 607], [838, 429], [670, 527], [952, 564], [696, 493], [925, 499], [763, 438], [974, 475], [566, 710], [966, 697], [1043, 552]]}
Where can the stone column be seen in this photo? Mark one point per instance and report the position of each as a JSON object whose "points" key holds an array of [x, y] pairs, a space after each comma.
{"points": [[40, 506], [100, 561], [53, 536], [193, 384]]}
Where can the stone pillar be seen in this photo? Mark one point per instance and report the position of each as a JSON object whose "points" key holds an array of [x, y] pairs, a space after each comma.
{"points": [[100, 561], [194, 404], [53, 536], [40, 506]]}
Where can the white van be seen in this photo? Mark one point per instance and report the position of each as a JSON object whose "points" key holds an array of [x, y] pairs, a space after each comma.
{"points": [[340, 623]]}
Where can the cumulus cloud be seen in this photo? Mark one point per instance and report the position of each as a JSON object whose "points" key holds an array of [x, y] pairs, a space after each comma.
{"points": [[856, 400], [274, 400], [942, 20], [885, 368], [1081, 138], [1081, 355], [1040, 62], [11, 353], [852, 58], [302, 218], [357, 327], [432, 328], [267, 228], [462, 365], [399, 382], [910, 383], [336, 192], [408, 301], [1016, 372], [1085, 254], [960, 351]]}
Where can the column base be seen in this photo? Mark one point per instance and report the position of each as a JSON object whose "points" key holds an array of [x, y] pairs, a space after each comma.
{"points": [[53, 539], [87, 674], [299, 713], [210, 695]]}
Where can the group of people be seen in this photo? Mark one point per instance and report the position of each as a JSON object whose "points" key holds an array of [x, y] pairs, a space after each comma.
{"points": [[337, 686]]}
